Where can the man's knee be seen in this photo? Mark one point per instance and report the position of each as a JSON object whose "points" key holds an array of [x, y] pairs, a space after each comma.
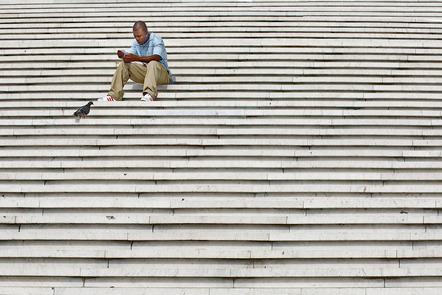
{"points": [[153, 65], [122, 67]]}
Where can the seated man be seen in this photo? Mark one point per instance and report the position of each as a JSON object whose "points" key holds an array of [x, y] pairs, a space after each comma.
{"points": [[147, 48]]}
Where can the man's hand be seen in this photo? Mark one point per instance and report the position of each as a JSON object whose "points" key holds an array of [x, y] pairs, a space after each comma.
{"points": [[130, 57], [127, 57], [121, 53]]}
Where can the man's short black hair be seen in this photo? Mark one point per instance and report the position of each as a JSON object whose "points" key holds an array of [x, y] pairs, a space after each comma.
{"points": [[140, 25]]}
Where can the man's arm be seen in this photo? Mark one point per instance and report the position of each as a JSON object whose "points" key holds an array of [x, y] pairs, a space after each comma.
{"points": [[146, 59]]}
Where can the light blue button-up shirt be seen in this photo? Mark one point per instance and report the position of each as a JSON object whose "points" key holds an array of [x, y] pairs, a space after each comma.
{"points": [[153, 46]]}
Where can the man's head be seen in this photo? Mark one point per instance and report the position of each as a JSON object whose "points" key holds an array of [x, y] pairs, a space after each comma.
{"points": [[140, 32]]}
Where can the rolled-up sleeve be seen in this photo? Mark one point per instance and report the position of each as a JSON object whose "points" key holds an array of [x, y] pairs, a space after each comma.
{"points": [[159, 48]]}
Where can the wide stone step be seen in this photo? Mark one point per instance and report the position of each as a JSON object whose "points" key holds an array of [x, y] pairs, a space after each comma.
{"points": [[256, 233], [219, 218], [234, 42], [210, 250], [238, 104], [287, 176], [72, 94], [210, 142], [194, 113], [226, 290], [225, 131], [233, 270], [218, 187], [219, 201], [214, 121], [226, 35]]}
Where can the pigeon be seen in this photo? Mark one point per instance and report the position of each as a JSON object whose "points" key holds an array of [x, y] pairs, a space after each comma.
{"points": [[84, 110]]}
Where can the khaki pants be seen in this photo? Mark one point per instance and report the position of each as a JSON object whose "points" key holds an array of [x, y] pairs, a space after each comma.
{"points": [[150, 76]]}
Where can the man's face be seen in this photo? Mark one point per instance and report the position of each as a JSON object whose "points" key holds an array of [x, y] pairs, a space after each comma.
{"points": [[140, 36]]}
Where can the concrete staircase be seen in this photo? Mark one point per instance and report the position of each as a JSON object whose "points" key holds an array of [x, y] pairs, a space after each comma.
{"points": [[298, 153]]}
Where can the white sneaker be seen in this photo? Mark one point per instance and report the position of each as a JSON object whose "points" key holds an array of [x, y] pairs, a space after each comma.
{"points": [[106, 98], [147, 97]]}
